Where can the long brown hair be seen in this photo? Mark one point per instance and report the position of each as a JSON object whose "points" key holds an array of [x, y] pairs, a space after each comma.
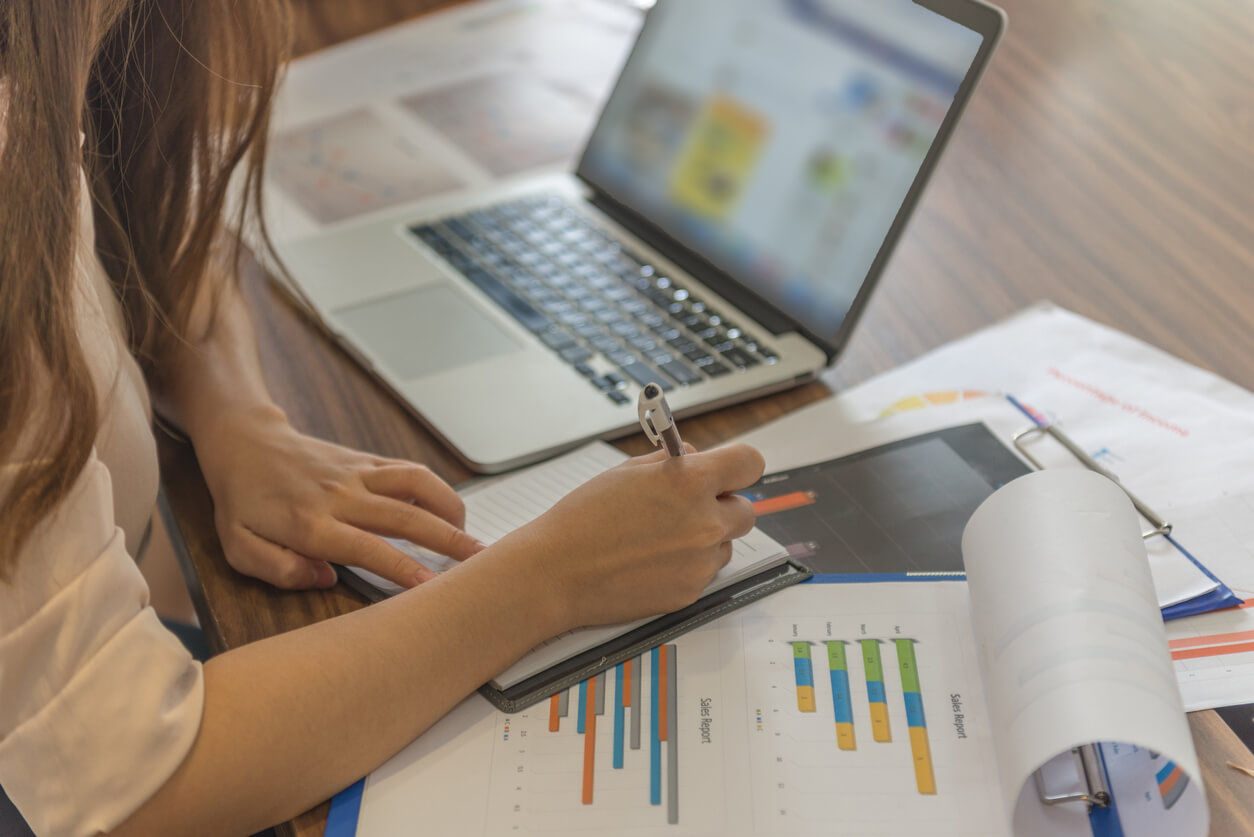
{"points": [[172, 95]]}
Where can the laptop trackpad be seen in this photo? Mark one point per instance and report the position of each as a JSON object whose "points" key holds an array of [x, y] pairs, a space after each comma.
{"points": [[423, 331]]}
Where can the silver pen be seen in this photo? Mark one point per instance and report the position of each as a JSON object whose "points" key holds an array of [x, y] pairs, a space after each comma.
{"points": [[657, 422]]}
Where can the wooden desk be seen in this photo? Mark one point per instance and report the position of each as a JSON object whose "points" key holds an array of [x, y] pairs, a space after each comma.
{"points": [[1106, 163]]}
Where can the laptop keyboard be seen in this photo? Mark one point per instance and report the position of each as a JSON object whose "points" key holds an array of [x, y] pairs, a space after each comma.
{"points": [[586, 295]]}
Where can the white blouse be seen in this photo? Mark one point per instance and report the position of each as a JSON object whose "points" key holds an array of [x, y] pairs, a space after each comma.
{"points": [[99, 704]]}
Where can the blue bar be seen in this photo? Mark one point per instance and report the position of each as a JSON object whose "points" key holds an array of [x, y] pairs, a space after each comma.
{"points": [[345, 807], [875, 691], [804, 671], [655, 743], [840, 697], [583, 706], [914, 710], [618, 716]]}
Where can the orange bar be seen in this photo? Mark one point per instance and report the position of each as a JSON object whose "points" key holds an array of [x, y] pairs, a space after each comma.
{"points": [[626, 683], [1212, 651], [661, 694], [1170, 781], [784, 502], [1212, 639], [554, 722], [589, 738]]}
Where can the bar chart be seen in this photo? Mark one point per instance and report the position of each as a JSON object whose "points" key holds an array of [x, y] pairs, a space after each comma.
{"points": [[626, 711], [764, 722], [871, 712]]}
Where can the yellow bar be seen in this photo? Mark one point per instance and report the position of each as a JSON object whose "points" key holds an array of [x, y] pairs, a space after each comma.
{"points": [[805, 698], [879, 723], [844, 737], [923, 775]]}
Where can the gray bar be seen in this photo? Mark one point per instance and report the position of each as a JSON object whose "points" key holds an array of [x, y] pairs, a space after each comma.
{"points": [[601, 693], [672, 745], [563, 703], [636, 674]]}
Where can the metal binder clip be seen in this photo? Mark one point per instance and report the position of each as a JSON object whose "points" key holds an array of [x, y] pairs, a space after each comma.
{"points": [[1096, 792], [1161, 526]]}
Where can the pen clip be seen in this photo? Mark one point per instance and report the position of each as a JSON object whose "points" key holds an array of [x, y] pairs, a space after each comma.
{"points": [[652, 413]]}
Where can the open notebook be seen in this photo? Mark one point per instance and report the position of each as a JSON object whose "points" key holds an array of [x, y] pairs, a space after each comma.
{"points": [[759, 565]]}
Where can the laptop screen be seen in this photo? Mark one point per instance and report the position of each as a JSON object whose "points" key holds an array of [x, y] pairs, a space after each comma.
{"points": [[777, 139]]}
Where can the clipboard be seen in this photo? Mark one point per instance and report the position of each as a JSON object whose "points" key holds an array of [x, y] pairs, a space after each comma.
{"points": [[1217, 599], [659, 631]]}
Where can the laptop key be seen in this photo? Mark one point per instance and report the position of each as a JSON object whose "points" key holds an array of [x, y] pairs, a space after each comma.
{"points": [[715, 369], [679, 372], [739, 358], [515, 305], [617, 397], [575, 354], [557, 338], [585, 370], [639, 371]]}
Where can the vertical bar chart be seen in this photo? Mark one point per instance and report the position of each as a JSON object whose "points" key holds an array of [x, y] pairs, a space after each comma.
{"points": [[873, 665], [842, 704], [655, 739], [804, 671], [620, 708], [916, 721], [616, 693], [587, 692], [672, 744]]}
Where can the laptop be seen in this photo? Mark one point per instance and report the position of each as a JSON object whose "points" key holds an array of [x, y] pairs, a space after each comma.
{"points": [[741, 192]]}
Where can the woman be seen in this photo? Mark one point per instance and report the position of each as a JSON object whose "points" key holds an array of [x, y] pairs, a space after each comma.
{"points": [[121, 122]]}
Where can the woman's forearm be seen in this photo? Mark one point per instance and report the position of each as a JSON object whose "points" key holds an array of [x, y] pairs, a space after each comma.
{"points": [[290, 720], [217, 371]]}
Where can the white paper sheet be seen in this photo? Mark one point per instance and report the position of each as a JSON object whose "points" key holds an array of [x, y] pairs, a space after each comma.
{"points": [[444, 103], [495, 509], [756, 756], [1181, 437], [1071, 646]]}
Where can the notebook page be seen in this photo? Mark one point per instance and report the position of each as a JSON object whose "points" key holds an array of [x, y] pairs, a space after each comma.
{"points": [[501, 506]]}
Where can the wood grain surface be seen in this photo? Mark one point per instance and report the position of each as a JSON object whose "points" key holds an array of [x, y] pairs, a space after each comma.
{"points": [[1105, 163]]}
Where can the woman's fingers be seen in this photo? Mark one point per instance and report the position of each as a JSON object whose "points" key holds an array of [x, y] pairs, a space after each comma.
{"points": [[731, 468], [405, 481], [738, 515], [342, 543], [261, 558], [396, 519]]}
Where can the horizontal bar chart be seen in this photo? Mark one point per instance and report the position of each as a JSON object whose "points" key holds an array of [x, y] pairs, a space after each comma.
{"points": [[1171, 783], [783, 502]]}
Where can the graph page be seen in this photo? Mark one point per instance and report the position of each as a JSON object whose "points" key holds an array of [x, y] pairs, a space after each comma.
{"points": [[850, 709]]}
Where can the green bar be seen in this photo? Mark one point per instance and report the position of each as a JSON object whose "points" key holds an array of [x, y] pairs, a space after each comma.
{"points": [[871, 659], [836, 655], [801, 650], [906, 662]]}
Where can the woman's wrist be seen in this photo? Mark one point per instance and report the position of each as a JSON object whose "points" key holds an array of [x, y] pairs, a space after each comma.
{"points": [[525, 559]]}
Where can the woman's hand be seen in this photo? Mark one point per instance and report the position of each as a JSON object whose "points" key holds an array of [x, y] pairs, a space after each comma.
{"points": [[643, 538], [286, 504]]}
